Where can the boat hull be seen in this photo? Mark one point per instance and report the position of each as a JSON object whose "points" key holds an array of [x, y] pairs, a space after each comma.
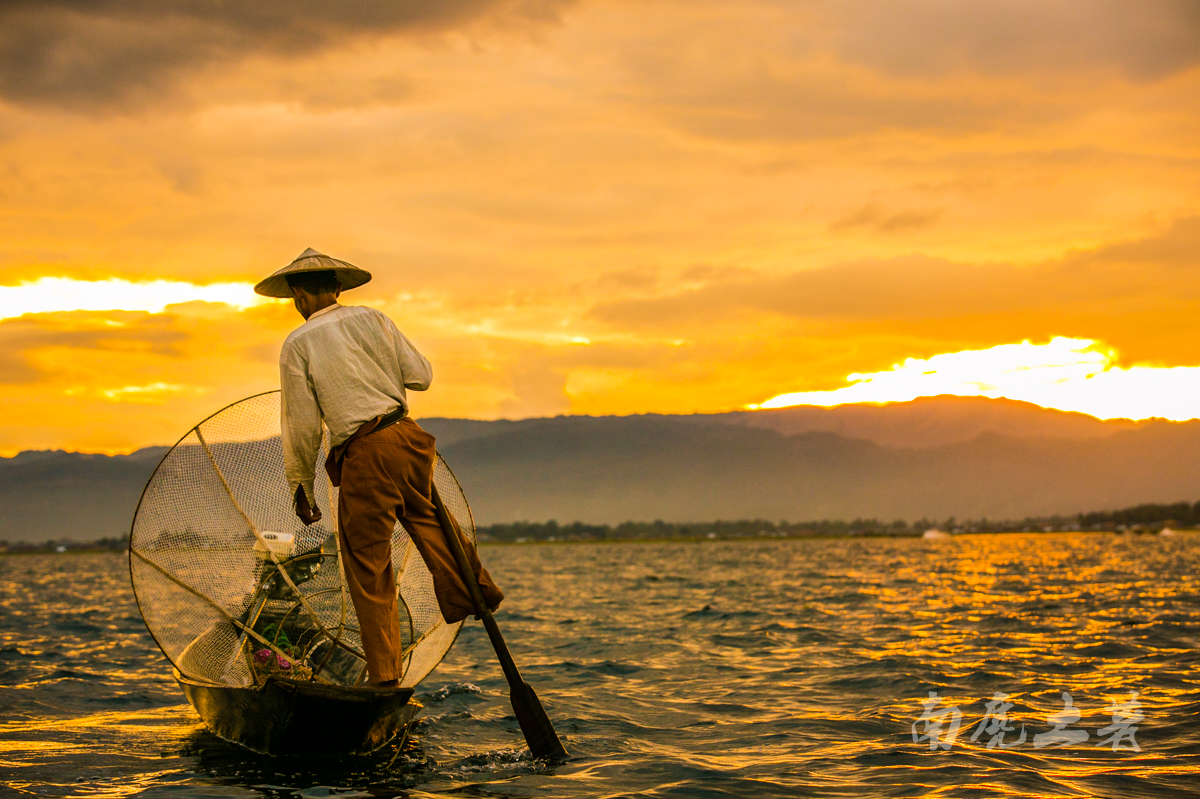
{"points": [[292, 717]]}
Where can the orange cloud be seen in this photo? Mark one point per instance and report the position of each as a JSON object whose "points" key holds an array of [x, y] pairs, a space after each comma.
{"points": [[127, 54], [589, 207]]}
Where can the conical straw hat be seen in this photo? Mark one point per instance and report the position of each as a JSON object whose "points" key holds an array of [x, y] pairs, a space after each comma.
{"points": [[349, 275]]}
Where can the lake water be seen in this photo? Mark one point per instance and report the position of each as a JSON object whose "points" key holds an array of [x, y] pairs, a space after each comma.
{"points": [[707, 669]]}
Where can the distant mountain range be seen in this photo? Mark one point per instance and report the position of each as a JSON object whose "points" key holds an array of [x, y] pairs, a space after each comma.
{"points": [[934, 457]]}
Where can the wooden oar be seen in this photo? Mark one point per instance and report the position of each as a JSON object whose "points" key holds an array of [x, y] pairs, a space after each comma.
{"points": [[535, 724]]}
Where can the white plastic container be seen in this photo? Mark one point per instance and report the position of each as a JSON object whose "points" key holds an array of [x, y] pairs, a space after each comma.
{"points": [[278, 544]]}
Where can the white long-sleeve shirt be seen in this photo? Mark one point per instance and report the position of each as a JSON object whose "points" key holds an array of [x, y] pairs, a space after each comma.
{"points": [[346, 364]]}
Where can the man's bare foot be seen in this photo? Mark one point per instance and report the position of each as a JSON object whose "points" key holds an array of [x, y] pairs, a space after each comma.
{"points": [[386, 684]]}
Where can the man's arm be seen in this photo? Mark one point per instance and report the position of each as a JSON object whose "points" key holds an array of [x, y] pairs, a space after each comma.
{"points": [[414, 366], [300, 424]]}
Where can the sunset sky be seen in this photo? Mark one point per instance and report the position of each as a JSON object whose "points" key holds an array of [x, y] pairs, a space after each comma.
{"points": [[600, 206]]}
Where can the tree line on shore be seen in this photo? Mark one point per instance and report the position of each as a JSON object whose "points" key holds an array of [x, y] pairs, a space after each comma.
{"points": [[1178, 514], [1139, 517], [120, 544]]}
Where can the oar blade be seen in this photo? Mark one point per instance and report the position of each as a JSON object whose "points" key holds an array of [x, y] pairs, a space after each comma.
{"points": [[535, 724]]}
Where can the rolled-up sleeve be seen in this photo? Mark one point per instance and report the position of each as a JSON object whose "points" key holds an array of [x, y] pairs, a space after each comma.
{"points": [[414, 367], [300, 422]]}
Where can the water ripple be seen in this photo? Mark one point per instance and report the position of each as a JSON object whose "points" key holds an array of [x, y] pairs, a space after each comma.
{"points": [[763, 668]]}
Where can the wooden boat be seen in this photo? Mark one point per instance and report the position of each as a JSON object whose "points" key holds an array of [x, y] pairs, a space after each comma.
{"points": [[289, 710], [298, 717], [252, 609]]}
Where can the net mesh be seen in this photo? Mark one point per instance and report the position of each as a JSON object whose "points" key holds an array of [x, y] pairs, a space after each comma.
{"points": [[234, 588]]}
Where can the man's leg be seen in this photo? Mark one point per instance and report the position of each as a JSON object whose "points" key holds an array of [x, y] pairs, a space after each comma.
{"points": [[367, 503], [452, 596], [419, 517]]}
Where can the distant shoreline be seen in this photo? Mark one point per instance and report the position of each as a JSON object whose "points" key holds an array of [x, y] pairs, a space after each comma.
{"points": [[948, 463], [85, 550], [821, 537]]}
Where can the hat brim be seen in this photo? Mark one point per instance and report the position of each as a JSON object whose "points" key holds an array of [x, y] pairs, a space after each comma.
{"points": [[349, 276]]}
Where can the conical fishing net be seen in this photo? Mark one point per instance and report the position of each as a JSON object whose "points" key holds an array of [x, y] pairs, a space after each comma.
{"points": [[234, 588]]}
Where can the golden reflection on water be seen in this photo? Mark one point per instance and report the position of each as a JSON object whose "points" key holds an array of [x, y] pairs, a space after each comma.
{"points": [[114, 753], [1033, 616], [748, 667]]}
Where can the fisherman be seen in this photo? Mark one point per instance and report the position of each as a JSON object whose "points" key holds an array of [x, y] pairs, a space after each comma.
{"points": [[349, 367]]}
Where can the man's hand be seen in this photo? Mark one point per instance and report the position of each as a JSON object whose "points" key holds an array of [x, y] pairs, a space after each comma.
{"points": [[306, 513]]}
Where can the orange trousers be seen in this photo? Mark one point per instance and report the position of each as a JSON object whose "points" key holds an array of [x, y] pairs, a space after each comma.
{"points": [[388, 475]]}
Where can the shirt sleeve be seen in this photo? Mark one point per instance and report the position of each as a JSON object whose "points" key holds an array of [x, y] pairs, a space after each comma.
{"points": [[414, 367], [300, 423]]}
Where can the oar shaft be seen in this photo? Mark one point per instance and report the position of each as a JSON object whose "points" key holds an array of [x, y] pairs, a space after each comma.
{"points": [[454, 541], [535, 724]]}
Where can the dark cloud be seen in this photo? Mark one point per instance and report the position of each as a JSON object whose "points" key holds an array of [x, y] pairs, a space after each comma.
{"points": [[19, 337], [100, 54], [849, 67], [919, 287], [1145, 40]]}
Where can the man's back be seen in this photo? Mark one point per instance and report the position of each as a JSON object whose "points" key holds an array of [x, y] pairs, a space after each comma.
{"points": [[346, 365]]}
